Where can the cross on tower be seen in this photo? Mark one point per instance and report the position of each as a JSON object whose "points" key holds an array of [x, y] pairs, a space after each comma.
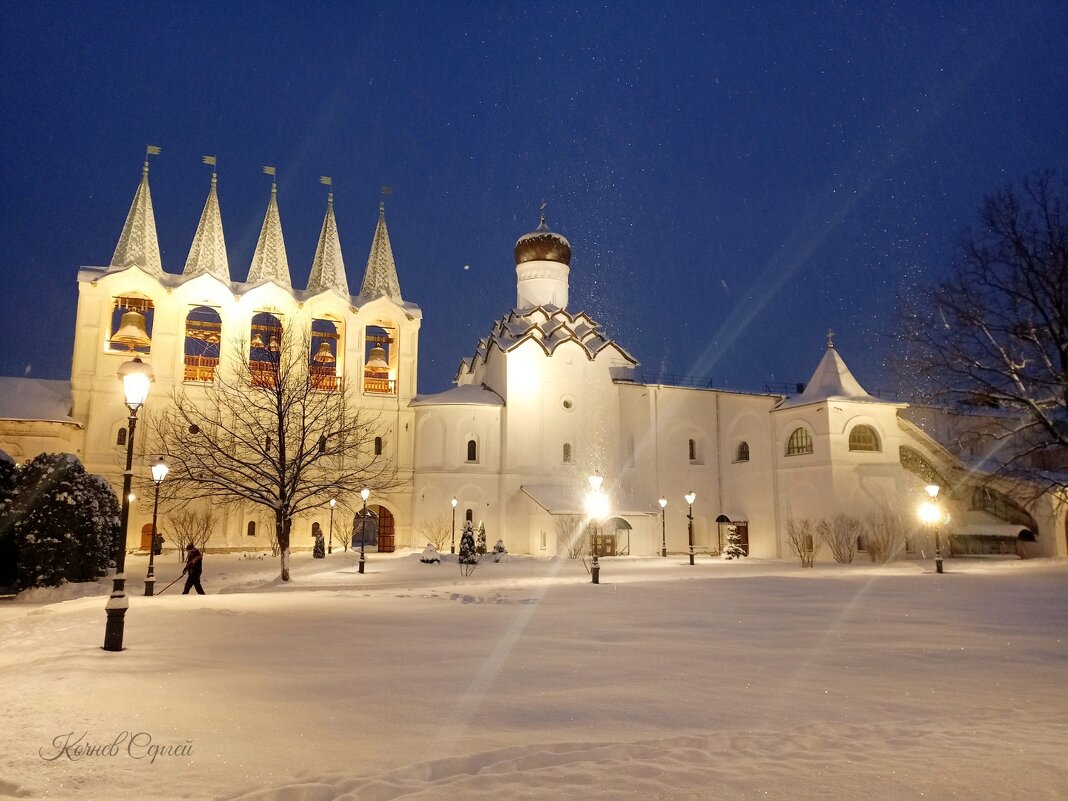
{"points": [[830, 338]]}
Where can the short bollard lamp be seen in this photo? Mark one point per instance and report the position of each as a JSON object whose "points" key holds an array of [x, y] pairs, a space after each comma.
{"points": [[159, 472], [136, 377]]}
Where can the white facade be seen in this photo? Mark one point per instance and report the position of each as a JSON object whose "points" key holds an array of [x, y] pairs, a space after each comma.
{"points": [[546, 400]]}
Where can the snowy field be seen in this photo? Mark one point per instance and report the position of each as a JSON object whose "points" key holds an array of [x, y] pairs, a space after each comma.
{"points": [[752, 680]]}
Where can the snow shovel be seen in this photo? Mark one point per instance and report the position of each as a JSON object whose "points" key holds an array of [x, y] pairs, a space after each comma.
{"points": [[171, 584]]}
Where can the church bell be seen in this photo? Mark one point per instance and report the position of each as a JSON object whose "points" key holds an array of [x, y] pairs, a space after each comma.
{"points": [[132, 331], [378, 359]]}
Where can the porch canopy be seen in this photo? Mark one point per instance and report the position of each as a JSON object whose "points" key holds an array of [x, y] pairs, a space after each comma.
{"points": [[980, 524]]}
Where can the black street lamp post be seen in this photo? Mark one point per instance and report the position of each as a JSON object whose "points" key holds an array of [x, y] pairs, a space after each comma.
{"points": [[663, 526], [931, 514], [365, 494], [136, 377], [159, 472], [453, 502], [330, 546], [691, 496], [596, 510]]}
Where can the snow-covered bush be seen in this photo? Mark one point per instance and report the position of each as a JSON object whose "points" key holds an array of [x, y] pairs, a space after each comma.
{"points": [[66, 522], [840, 533], [430, 555], [319, 549], [8, 480], [803, 541], [480, 540]]}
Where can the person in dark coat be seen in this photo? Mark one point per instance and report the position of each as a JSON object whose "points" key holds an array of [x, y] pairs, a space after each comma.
{"points": [[194, 566]]}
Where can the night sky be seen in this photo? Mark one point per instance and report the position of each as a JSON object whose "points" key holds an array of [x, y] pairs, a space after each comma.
{"points": [[734, 179]]}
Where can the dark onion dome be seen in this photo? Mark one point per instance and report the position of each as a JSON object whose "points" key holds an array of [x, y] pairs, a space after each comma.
{"points": [[542, 245]]}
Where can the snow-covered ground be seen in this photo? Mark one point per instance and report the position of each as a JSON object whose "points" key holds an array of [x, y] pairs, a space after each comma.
{"points": [[723, 680]]}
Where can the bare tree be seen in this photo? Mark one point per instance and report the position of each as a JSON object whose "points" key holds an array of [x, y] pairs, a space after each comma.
{"points": [[191, 526], [884, 535], [268, 432], [803, 541], [993, 336], [436, 531], [840, 534], [571, 536]]}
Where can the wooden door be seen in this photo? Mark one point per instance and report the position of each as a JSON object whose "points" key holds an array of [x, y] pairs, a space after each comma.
{"points": [[743, 535], [385, 531], [146, 536]]}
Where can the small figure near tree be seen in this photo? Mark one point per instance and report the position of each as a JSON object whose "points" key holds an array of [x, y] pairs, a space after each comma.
{"points": [[734, 549], [468, 556], [430, 555], [480, 540], [499, 551], [319, 551]]}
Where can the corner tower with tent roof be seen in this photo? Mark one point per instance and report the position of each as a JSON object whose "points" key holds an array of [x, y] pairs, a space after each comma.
{"points": [[185, 326]]}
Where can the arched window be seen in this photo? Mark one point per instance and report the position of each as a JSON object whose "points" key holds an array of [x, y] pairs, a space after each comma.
{"points": [[252, 528], [264, 349], [800, 442], [378, 446], [121, 438], [469, 515], [323, 360], [567, 453], [131, 324], [472, 451], [203, 334], [742, 454], [863, 438]]}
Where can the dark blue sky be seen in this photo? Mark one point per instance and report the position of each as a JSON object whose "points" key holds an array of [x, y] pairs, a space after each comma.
{"points": [[734, 178]]}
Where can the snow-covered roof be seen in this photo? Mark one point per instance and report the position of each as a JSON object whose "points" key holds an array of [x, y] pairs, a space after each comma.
{"points": [[550, 327], [270, 262], [138, 245], [207, 254], [35, 399], [328, 266], [976, 523], [467, 395], [831, 381]]}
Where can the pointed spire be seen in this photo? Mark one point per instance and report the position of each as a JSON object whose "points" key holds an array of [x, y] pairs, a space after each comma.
{"points": [[208, 252], [138, 245], [328, 267], [380, 277], [832, 380], [270, 263]]}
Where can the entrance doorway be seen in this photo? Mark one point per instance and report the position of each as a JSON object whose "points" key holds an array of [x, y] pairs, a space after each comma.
{"points": [[385, 530], [146, 536]]}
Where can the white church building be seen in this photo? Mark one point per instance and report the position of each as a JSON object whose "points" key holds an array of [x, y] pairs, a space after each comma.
{"points": [[546, 400]]}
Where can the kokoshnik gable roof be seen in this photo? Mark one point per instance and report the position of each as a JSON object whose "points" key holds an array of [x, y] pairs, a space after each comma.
{"points": [[832, 380], [548, 326]]}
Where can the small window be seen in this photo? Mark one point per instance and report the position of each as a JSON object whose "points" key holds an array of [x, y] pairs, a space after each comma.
{"points": [[472, 451], [469, 515], [568, 403], [863, 438], [543, 538], [567, 453], [378, 446], [322, 444], [252, 528], [121, 438], [800, 443], [693, 450], [742, 454]]}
